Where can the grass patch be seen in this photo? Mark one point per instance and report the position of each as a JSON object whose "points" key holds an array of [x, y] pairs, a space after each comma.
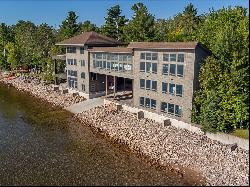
{"points": [[242, 133]]}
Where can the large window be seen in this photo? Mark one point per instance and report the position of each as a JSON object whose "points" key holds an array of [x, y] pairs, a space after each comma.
{"points": [[165, 69], [172, 57], [172, 69], [175, 66], [149, 56], [111, 61], [171, 88], [178, 110], [164, 107], [150, 85], [104, 64], [180, 58], [142, 56], [81, 50], [148, 103], [108, 65], [154, 67], [174, 89], [72, 82], [151, 67], [179, 90], [180, 70], [142, 101], [171, 109], [142, 83], [71, 61], [154, 86], [82, 62], [153, 104], [142, 66], [128, 67], [71, 49], [166, 57], [164, 87]]}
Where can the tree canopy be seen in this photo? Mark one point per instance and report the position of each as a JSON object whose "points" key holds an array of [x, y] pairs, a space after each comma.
{"points": [[114, 23], [222, 101]]}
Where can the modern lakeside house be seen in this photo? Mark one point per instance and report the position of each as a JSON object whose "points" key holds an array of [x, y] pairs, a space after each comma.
{"points": [[161, 76]]}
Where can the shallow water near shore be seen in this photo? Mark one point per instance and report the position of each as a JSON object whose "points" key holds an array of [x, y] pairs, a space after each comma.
{"points": [[39, 147]]}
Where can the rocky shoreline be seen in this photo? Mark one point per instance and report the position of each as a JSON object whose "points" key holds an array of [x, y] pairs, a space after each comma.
{"points": [[180, 149], [39, 89], [169, 146]]}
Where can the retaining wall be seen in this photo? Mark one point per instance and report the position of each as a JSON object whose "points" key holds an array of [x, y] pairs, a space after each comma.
{"points": [[221, 137]]}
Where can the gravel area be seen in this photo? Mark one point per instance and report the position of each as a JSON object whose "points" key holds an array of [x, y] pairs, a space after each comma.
{"points": [[42, 90], [216, 162]]}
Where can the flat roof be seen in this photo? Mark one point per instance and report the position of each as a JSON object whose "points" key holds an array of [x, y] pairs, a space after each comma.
{"points": [[111, 49]]}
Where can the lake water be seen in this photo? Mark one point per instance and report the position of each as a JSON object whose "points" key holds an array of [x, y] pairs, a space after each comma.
{"points": [[37, 147]]}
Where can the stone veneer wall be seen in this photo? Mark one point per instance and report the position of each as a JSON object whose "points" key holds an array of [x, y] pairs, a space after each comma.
{"points": [[80, 68], [187, 81]]}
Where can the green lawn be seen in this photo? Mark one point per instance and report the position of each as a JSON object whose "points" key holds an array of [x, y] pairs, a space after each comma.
{"points": [[242, 133]]}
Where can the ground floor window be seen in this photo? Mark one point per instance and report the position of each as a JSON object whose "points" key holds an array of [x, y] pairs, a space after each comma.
{"points": [[171, 109], [72, 82], [164, 107], [147, 102], [141, 101]]}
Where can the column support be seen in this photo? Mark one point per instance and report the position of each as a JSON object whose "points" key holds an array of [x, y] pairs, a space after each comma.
{"points": [[124, 83], [114, 86], [106, 85]]}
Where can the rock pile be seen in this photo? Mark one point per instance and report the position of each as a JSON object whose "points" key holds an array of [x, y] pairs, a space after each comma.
{"points": [[44, 91], [217, 163]]}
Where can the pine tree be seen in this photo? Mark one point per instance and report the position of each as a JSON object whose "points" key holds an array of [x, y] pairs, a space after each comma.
{"points": [[114, 23]]}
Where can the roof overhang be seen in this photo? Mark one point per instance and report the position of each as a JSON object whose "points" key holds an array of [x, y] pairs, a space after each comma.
{"points": [[69, 44]]}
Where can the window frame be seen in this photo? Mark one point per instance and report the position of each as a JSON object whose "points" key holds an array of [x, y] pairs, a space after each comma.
{"points": [[177, 74], [165, 92], [140, 99], [174, 89], [170, 70], [166, 108], [151, 104], [163, 65], [142, 86], [183, 57], [81, 50], [180, 95], [154, 89]]}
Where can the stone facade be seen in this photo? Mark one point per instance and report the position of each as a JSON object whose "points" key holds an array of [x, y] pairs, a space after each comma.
{"points": [[79, 68], [178, 106], [189, 81]]}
